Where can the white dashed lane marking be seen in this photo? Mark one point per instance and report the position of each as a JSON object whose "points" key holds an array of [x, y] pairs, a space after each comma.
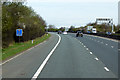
{"points": [[96, 59], [118, 49], [112, 46], [91, 53], [87, 49], [106, 69], [106, 44]]}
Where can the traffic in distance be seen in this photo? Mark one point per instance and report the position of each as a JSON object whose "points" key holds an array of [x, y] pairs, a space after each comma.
{"points": [[71, 40]]}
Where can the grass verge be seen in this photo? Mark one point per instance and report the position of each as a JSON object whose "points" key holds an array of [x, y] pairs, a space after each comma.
{"points": [[19, 47]]}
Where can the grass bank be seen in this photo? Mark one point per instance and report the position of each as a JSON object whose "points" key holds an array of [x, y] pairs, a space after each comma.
{"points": [[16, 48]]}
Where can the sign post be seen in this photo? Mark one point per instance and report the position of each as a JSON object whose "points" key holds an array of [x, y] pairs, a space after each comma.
{"points": [[19, 33]]}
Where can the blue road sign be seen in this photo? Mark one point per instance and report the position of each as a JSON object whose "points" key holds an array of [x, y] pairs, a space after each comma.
{"points": [[19, 32]]}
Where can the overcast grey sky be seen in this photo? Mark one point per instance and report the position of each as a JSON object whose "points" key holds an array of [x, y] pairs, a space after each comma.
{"points": [[74, 12]]}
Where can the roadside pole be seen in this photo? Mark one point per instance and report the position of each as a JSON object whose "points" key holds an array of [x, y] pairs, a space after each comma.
{"points": [[19, 39], [112, 25]]}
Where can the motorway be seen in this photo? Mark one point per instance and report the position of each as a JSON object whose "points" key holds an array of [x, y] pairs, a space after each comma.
{"points": [[86, 57]]}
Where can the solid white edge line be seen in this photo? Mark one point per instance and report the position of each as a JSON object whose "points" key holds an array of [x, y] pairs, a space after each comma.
{"points": [[106, 69], [45, 61]]}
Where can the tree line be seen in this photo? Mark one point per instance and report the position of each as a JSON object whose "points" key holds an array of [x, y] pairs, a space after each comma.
{"points": [[19, 16], [101, 28], [52, 28]]}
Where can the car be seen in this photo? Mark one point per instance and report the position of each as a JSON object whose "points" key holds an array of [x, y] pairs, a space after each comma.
{"points": [[79, 33], [108, 33], [59, 32], [88, 32], [65, 32]]}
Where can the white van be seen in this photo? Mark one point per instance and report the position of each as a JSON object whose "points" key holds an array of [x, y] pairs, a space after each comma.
{"points": [[94, 30]]}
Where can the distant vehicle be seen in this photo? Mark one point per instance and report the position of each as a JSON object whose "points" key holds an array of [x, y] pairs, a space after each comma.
{"points": [[89, 28], [79, 33], [88, 32], [65, 32], [94, 30], [108, 33], [59, 32]]}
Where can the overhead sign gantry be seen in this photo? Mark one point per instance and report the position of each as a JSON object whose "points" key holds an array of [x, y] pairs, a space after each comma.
{"points": [[107, 21]]}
